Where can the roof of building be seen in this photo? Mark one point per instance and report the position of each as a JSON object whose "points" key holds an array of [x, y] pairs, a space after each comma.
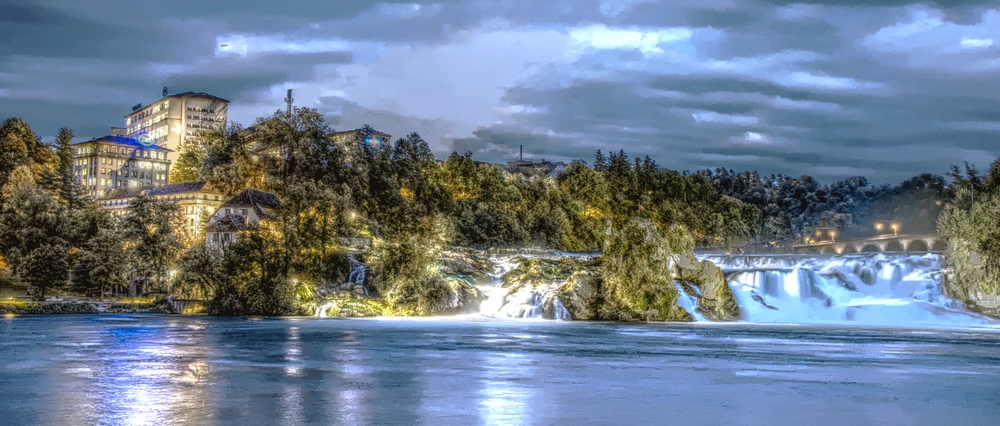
{"points": [[228, 223], [190, 94], [175, 188], [123, 140], [374, 132], [261, 201]]}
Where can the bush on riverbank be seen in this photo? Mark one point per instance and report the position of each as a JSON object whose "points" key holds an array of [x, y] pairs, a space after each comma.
{"points": [[36, 308]]}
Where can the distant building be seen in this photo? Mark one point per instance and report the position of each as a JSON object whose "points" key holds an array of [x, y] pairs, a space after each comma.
{"points": [[176, 120], [244, 211], [547, 168], [197, 201], [111, 162], [350, 137]]}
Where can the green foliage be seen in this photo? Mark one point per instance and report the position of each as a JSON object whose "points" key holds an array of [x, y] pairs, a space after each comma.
{"points": [[34, 234], [405, 275], [190, 161], [638, 269], [100, 266], [153, 234], [972, 232], [246, 277]]}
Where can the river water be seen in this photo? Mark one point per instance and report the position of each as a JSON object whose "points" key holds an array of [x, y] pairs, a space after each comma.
{"points": [[138, 370]]}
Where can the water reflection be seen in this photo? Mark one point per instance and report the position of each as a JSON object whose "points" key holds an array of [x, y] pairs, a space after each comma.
{"points": [[291, 394], [144, 374], [354, 382], [171, 370], [504, 398]]}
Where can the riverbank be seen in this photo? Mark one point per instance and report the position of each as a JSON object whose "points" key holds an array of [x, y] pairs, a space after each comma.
{"points": [[18, 307]]}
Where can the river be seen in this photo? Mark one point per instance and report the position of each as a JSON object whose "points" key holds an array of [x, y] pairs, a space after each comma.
{"points": [[138, 370]]}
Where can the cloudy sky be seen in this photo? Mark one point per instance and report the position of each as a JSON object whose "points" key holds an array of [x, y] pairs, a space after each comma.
{"points": [[832, 89]]}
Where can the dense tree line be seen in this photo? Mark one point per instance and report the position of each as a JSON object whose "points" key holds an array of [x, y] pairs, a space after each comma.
{"points": [[53, 239], [409, 204]]}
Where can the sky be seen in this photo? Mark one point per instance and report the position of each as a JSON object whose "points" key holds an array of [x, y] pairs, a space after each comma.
{"points": [[832, 89]]}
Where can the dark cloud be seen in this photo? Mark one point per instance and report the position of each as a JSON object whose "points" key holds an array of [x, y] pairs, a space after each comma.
{"points": [[888, 89]]}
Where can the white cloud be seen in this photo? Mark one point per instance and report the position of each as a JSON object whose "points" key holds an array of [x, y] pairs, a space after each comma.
{"points": [[977, 43], [804, 79], [518, 109], [405, 11], [785, 103], [714, 117], [926, 37], [243, 45], [647, 42], [755, 137]]}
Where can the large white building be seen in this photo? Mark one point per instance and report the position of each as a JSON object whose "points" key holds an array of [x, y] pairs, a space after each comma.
{"points": [[113, 162], [176, 120]]}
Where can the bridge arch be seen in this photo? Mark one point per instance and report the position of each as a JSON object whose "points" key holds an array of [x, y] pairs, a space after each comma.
{"points": [[848, 249], [828, 250], [893, 246], [938, 245], [917, 245], [870, 248]]}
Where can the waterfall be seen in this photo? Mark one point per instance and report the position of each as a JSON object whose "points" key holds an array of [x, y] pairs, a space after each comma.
{"points": [[531, 301], [358, 273], [528, 301], [321, 310], [878, 289], [688, 302]]}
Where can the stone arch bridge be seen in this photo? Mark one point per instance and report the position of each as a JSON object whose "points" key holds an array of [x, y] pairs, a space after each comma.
{"points": [[880, 244]]}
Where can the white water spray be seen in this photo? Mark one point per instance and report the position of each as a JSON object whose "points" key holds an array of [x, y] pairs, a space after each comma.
{"points": [[865, 289]]}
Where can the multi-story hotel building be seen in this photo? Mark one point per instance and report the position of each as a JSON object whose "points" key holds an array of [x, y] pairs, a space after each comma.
{"points": [[176, 120], [197, 200], [103, 164]]}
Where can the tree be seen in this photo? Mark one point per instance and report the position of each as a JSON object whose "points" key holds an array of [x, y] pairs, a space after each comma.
{"points": [[189, 163], [100, 267], [45, 267], [33, 234], [638, 273], [15, 136], [65, 183], [153, 234]]}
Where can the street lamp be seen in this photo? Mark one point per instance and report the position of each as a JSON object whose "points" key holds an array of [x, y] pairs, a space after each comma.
{"points": [[833, 236], [895, 229], [878, 228]]}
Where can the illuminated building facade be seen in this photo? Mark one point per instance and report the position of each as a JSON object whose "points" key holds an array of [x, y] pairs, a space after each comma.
{"points": [[104, 164], [176, 120], [244, 211], [197, 201], [377, 139]]}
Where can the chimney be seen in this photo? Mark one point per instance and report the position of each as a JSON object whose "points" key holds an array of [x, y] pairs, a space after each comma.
{"points": [[520, 156]]}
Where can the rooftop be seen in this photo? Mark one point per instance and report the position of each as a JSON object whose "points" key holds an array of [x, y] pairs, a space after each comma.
{"points": [[190, 94], [374, 132], [175, 188], [259, 200], [122, 140]]}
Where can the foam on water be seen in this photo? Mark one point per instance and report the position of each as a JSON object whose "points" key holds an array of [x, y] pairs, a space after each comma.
{"points": [[879, 289]]}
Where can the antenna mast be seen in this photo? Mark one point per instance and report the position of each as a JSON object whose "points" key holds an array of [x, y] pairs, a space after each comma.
{"points": [[288, 100]]}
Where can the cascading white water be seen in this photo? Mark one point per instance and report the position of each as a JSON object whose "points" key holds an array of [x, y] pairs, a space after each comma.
{"points": [[868, 289], [358, 272], [529, 301], [357, 276], [689, 302]]}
